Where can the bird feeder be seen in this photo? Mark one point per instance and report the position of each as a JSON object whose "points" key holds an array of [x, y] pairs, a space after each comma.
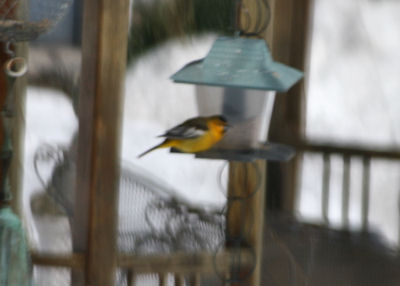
{"points": [[238, 79]]}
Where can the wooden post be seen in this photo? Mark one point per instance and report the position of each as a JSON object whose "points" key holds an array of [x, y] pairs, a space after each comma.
{"points": [[286, 36], [245, 177], [3, 95], [4, 168], [245, 217], [291, 25], [19, 90], [18, 134], [104, 44]]}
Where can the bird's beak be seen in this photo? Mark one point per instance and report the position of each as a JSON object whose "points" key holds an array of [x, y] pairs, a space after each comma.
{"points": [[226, 127]]}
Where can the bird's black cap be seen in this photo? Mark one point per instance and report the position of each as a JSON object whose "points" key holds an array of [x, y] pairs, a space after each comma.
{"points": [[222, 118]]}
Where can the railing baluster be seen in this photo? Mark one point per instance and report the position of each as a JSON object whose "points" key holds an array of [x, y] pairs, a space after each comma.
{"points": [[346, 191], [130, 276], [365, 192], [195, 279], [325, 187], [179, 280], [398, 222], [162, 279]]}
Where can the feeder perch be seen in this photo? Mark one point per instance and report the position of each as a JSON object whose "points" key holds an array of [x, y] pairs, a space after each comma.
{"points": [[238, 79]]}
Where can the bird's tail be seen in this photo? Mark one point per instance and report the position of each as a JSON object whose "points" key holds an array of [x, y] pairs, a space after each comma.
{"points": [[165, 144]]}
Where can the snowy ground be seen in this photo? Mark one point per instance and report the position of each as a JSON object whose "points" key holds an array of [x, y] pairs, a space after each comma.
{"points": [[353, 90]]}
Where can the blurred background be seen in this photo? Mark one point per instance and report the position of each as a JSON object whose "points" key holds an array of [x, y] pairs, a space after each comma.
{"points": [[352, 89]]}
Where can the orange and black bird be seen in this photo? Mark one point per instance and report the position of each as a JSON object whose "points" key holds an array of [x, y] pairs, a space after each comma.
{"points": [[194, 135]]}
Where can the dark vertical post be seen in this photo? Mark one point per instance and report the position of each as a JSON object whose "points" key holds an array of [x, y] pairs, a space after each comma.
{"points": [[326, 175], [5, 152], [245, 217], [291, 26], [346, 191], [365, 193], [104, 44], [195, 279], [162, 279], [3, 95], [179, 280], [130, 275]]}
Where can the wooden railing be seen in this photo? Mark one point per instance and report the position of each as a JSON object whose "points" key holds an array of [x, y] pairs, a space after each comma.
{"points": [[194, 266], [181, 265], [347, 152]]}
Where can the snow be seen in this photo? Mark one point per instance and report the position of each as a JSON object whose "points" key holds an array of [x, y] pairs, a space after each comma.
{"points": [[353, 86], [49, 120]]}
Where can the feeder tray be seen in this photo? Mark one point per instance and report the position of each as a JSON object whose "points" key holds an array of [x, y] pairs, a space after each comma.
{"points": [[264, 151], [18, 31]]}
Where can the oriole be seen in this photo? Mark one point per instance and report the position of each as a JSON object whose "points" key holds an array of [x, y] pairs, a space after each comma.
{"points": [[194, 135]]}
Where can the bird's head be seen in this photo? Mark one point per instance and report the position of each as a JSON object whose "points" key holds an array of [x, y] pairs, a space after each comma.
{"points": [[220, 122]]}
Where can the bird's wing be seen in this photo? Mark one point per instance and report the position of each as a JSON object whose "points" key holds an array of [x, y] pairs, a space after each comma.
{"points": [[189, 129]]}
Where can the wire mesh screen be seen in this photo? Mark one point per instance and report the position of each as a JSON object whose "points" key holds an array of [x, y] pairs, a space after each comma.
{"points": [[152, 218], [154, 221], [51, 276]]}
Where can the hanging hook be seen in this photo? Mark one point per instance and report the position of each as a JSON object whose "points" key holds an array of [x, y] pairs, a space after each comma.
{"points": [[8, 50], [261, 22], [15, 67]]}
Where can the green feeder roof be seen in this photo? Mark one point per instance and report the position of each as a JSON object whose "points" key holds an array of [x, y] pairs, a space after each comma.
{"points": [[239, 62]]}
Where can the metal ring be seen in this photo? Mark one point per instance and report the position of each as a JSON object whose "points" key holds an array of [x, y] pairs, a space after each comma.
{"points": [[257, 186], [238, 244], [246, 13], [245, 228], [222, 188], [16, 67], [8, 50], [261, 22]]}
